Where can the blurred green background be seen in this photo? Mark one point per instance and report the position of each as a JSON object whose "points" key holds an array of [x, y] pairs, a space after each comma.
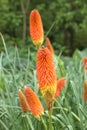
{"points": [[66, 20]]}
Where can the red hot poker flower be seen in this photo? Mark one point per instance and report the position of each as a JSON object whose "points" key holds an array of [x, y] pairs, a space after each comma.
{"points": [[85, 63], [46, 74], [23, 102], [60, 85], [36, 28], [49, 45], [34, 102], [85, 91]]}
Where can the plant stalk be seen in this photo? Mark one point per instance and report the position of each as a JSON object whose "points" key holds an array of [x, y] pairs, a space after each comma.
{"points": [[50, 119]]}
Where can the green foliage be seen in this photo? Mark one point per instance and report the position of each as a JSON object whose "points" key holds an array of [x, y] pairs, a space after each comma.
{"points": [[17, 70], [11, 20]]}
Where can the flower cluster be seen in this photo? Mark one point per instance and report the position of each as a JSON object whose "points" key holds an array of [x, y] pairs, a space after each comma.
{"points": [[45, 71], [46, 74], [49, 86], [30, 102], [60, 85], [23, 102], [36, 28]]}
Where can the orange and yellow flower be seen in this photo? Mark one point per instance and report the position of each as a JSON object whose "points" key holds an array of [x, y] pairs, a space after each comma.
{"points": [[46, 74], [60, 85], [34, 102], [49, 45], [36, 28], [85, 63], [23, 102], [85, 91]]}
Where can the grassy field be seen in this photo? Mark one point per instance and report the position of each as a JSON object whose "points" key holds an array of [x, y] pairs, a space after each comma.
{"points": [[16, 71]]}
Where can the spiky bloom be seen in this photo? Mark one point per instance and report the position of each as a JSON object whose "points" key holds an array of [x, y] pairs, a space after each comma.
{"points": [[23, 102], [49, 45], [46, 74], [85, 91], [36, 28], [34, 102], [85, 63], [60, 85]]}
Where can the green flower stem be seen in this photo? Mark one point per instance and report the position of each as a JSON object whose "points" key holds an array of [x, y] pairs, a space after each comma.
{"points": [[43, 122], [50, 119]]}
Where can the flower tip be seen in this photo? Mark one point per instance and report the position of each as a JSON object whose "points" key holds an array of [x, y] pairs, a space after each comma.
{"points": [[34, 10], [19, 90], [49, 45], [26, 86]]}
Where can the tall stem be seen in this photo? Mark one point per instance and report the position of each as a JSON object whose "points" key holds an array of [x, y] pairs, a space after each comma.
{"points": [[50, 119]]}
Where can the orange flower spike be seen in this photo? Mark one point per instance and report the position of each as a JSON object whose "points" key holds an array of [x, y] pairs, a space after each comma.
{"points": [[46, 74], [23, 102], [60, 85], [34, 102], [85, 63], [85, 91], [49, 45], [36, 28]]}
